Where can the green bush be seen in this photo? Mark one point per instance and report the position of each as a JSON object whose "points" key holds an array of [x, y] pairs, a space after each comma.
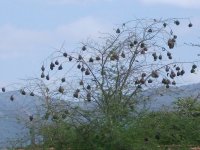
{"points": [[143, 132], [188, 106]]}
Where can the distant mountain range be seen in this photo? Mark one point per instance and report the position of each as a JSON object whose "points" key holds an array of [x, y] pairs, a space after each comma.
{"points": [[11, 115], [165, 97], [12, 129]]}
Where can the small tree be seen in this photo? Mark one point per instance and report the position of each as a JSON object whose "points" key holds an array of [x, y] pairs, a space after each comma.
{"points": [[189, 106]]}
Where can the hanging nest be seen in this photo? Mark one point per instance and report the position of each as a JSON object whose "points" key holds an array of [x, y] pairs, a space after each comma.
{"points": [[83, 48], [77, 90], [42, 75], [173, 82], [22, 92], [135, 42], [52, 65], [123, 55], [89, 97], [87, 72], [81, 82], [164, 25], [88, 87], [56, 62], [114, 56], [83, 69], [32, 94], [70, 58], [61, 89], [178, 68], [47, 77], [91, 60], [160, 57], [79, 66], [137, 82], [142, 45], [142, 80], [194, 66], [131, 45], [150, 31], [176, 22], [3, 89], [182, 72], [98, 58], [65, 54], [60, 67], [63, 79], [178, 73], [172, 75], [171, 43], [192, 70], [170, 57], [31, 118], [190, 25], [12, 98], [150, 81], [118, 31], [144, 74], [142, 51], [167, 69], [154, 74], [42, 68], [166, 81], [80, 57], [75, 95]]}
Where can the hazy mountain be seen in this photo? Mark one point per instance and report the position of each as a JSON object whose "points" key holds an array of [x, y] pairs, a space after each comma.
{"points": [[11, 129], [165, 97], [14, 115]]}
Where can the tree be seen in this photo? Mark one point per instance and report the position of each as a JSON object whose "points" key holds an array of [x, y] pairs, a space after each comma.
{"points": [[108, 75]]}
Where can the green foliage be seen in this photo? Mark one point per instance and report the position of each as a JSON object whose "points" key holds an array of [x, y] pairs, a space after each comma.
{"points": [[170, 127], [142, 132], [188, 106], [59, 135]]}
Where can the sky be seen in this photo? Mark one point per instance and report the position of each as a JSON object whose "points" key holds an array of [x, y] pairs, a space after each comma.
{"points": [[30, 30]]}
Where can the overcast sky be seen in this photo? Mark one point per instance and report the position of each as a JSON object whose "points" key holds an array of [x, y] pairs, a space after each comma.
{"points": [[31, 29]]}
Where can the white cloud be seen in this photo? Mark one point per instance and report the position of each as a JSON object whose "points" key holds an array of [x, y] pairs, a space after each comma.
{"points": [[179, 3], [82, 29], [18, 42], [15, 41]]}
